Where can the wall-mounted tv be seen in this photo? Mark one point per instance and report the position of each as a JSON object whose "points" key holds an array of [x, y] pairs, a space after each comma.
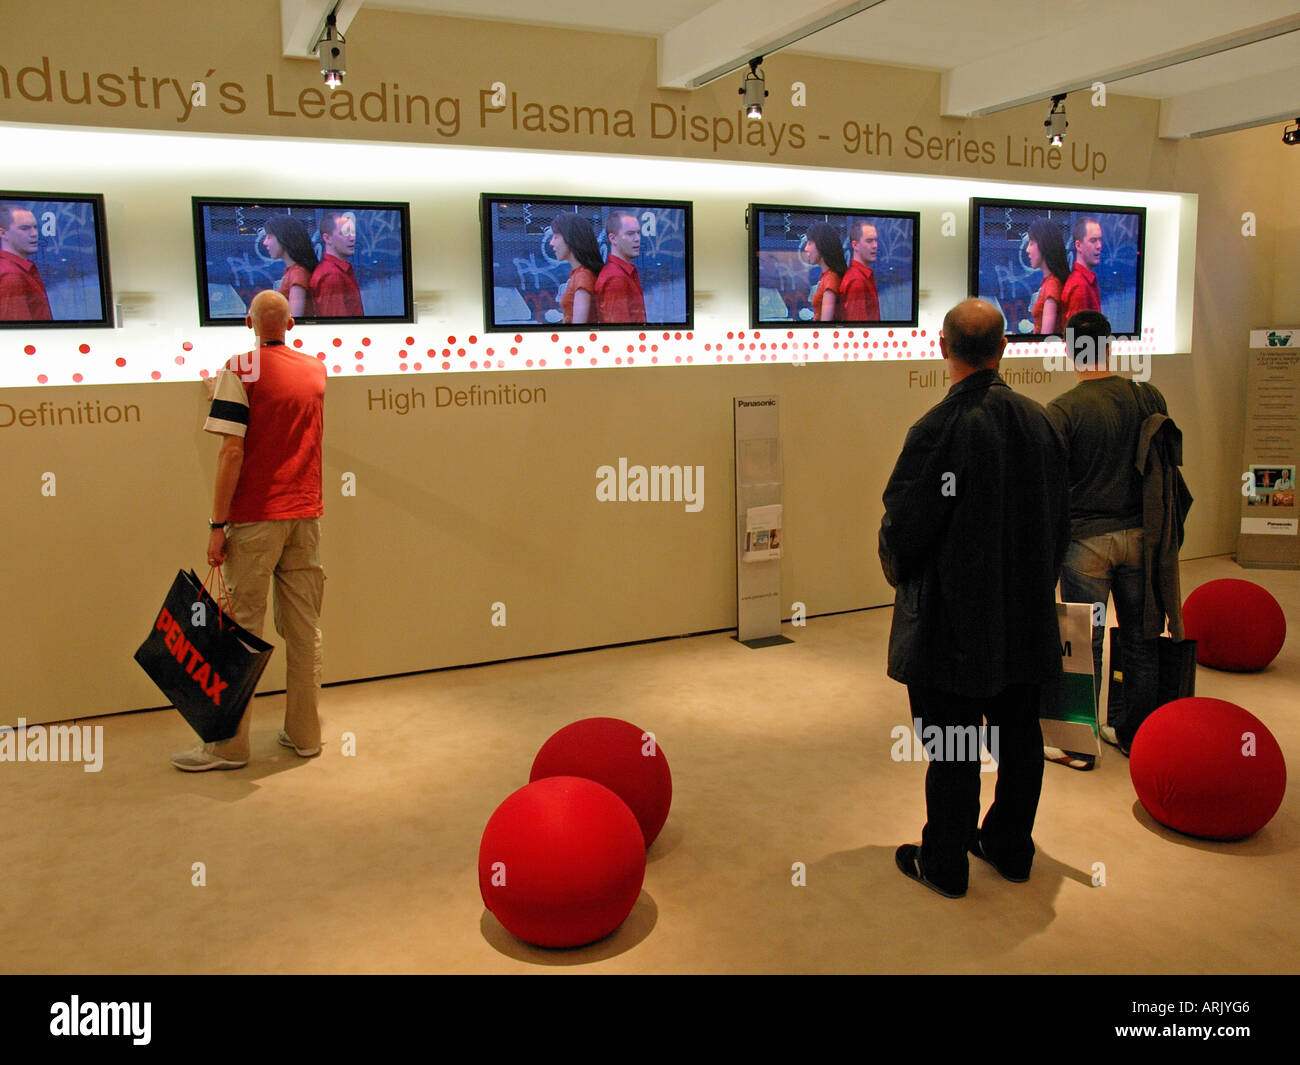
{"points": [[335, 260], [53, 261], [552, 263], [1042, 262], [810, 266]]}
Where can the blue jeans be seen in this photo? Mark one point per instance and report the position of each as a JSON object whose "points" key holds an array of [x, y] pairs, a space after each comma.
{"points": [[1097, 567]]}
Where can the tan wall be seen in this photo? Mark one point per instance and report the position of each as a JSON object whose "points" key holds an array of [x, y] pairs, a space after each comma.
{"points": [[457, 509]]}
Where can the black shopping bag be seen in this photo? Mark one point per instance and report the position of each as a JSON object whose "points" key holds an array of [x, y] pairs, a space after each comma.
{"points": [[201, 660], [1177, 678]]}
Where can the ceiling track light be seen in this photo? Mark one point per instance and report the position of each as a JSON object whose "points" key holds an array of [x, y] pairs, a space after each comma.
{"points": [[754, 90], [1056, 123], [333, 58], [1291, 133]]}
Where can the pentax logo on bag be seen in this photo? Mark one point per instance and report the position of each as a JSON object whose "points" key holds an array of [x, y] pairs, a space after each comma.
{"points": [[189, 656]]}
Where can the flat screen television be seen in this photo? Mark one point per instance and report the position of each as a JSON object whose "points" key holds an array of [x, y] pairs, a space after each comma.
{"points": [[798, 257], [53, 261], [634, 265], [1019, 247], [353, 258]]}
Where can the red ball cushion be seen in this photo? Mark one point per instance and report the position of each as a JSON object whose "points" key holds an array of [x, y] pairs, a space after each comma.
{"points": [[561, 862], [1236, 624], [620, 755], [1209, 768]]}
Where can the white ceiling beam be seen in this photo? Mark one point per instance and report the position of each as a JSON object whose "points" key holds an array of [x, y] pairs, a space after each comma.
{"points": [[1257, 101], [725, 36], [1031, 71], [301, 23]]}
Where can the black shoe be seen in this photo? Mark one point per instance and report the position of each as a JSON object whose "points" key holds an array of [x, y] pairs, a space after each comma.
{"points": [[908, 860], [977, 849]]}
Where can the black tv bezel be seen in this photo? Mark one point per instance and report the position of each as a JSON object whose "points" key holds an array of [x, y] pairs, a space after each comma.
{"points": [[201, 263], [96, 200], [751, 224], [486, 199], [973, 262]]}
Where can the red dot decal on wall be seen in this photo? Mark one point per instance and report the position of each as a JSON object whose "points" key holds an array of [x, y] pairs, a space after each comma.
{"points": [[677, 336], [320, 355], [593, 359], [473, 365], [84, 349], [452, 340], [30, 349], [337, 369], [528, 362], [568, 362], [365, 342], [473, 340], [604, 348], [581, 349], [297, 342], [41, 379], [338, 342], [460, 352], [402, 366], [77, 377], [156, 375], [555, 338], [708, 347], [731, 336], [419, 366], [122, 362], [180, 360], [519, 339], [445, 366], [489, 351], [410, 341], [402, 354], [513, 351]]}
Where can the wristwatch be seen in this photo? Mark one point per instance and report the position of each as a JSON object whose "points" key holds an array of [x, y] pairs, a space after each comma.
{"points": [[214, 525]]}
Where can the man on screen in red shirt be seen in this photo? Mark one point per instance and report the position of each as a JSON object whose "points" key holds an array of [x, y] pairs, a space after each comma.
{"points": [[618, 288], [22, 292], [334, 289], [1081, 292], [858, 299]]}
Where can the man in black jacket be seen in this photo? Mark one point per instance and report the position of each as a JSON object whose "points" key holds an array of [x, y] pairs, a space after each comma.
{"points": [[975, 528]]}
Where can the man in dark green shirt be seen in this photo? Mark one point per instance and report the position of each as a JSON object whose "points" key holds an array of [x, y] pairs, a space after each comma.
{"points": [[1099, 420]]}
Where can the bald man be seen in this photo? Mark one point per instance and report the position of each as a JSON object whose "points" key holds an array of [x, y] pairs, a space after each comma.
{"points": [[975, 529], [268, 409]]}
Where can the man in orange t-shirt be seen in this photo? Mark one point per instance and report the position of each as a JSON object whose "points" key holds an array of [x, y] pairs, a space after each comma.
{"points": [[268, 407], [22, 292], [859, 301]]}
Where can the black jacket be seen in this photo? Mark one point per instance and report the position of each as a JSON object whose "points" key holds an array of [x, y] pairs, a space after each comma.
{"points": [[1165, 503], [976, 525]]}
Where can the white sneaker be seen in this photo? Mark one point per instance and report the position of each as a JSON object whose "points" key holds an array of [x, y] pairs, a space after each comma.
{"points": [[202, 758], [302, 752]]}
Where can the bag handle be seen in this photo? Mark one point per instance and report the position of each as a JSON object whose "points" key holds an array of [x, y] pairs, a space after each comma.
{"points": [[219, 593]]}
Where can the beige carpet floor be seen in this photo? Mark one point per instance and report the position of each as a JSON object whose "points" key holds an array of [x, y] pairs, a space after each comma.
{"points": [[367, 863]]}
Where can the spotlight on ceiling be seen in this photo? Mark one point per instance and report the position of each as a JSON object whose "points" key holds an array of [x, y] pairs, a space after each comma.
{"points": [[1056, 124], [1291, 133], [754, 89], [330, 49]]}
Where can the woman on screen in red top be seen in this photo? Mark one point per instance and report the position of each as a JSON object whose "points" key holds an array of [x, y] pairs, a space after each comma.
{"points": [[573, 241], [286, 239], [1046, 252], [824, 247]]}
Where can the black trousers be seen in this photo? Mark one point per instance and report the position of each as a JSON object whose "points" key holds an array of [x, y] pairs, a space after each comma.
{"points": [[952, 782]]}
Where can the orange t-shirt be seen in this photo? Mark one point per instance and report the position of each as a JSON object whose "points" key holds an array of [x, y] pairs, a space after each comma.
{"points": [[297, 275], [580, 280], [830, 282], [1051, 290]]}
